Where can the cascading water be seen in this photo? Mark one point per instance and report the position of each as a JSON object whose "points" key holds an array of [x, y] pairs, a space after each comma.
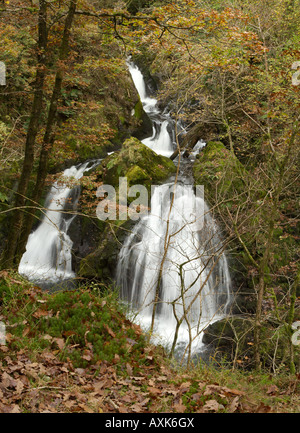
{"points": [[160, 141], [47, 259], [174, 257]]}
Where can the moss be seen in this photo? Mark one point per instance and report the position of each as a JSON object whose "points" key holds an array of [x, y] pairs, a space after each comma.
{"points": [[85, 319], [218, 169], [138, 110], [230, 337], [136, 175], [138, 163]]}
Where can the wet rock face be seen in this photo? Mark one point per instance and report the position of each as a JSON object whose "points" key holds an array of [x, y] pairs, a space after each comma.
{"points": [[144, 130]]}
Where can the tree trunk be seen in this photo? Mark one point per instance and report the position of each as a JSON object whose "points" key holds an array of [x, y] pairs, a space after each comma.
{"points": [[8, 259], [48, 136]]}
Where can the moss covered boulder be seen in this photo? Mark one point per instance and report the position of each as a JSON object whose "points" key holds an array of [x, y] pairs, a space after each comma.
{"points": [[230, 339], [101, 263], [219, 171], [225, 182], [138, 163]]}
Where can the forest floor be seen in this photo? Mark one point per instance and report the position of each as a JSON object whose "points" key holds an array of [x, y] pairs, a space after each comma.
{"points": [[50, 386], [42, 378]]}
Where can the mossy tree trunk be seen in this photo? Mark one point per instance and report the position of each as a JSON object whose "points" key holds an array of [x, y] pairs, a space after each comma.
{"points": [[48, 136], [8, 259]]}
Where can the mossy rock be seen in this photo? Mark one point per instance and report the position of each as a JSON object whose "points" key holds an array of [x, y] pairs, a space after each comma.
{"points": [[136, 175], [218, 169], [145, 125], [224, 179], [134, 6], [101, 263], [138, 163], [229, 338]]}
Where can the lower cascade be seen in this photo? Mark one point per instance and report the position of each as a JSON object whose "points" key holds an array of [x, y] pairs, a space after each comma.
{"points": [[48, 256], [174, 261]]}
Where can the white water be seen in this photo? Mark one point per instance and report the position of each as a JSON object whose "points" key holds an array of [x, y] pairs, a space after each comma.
{"points": [[48, 257], [195, 282], [160, 141], [194, 266]]}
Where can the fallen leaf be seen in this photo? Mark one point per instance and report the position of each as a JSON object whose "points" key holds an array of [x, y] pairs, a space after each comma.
{"points": [[211, 405], [47, 337], [171, 391], [137, 408], [16, 409], [233, 405], [210, 389], [262, 408], [197, 396], [41, 313], [232, 391], [154, 391], [85, 408], [123, 409], [137, 379], [87, 355], [19, 386], [185, 385], [60, 342], [179, 407], [161, 378], [110, 331], [26, 331], [273, 389], [4, 348], [99, 385], [7, 380], [129, 369]]}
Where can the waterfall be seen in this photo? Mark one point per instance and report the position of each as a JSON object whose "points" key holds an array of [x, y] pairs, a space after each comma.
{"points": [[48, 259], [195, 266], [160, 141], [174, 255]]}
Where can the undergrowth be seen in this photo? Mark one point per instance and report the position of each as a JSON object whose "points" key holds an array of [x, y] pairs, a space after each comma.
{"points": [[88, 327], [84, 325]]}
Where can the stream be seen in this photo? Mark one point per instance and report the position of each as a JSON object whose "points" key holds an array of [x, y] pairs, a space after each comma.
{"points": [[173, 259]]}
